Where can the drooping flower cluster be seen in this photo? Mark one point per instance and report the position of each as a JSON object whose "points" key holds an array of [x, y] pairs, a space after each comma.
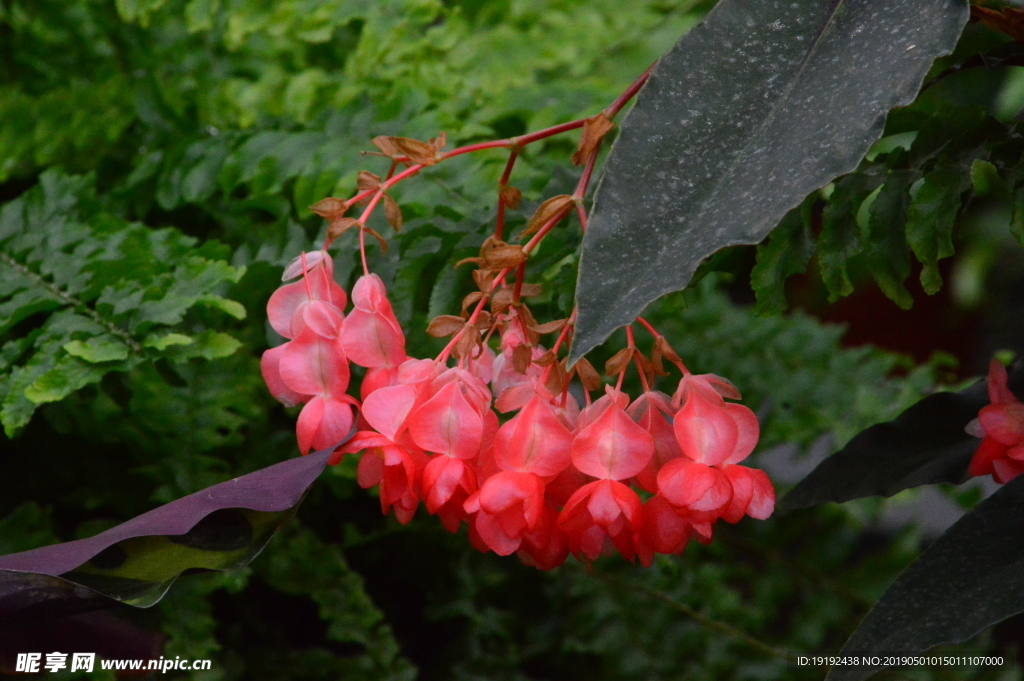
{"points": [[551, 480], [1001, 427]]}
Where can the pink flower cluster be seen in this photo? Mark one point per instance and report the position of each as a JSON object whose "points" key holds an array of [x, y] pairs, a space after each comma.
{"points": [[1001, 427], [552, 480]]}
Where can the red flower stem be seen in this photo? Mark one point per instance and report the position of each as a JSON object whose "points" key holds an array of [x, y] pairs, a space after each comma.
{"points": [[530, 245], [391, 170], [362, 250], [615, 107], [513, 143], [305, 278], [499, 227], [569, 324], [548, 132], [588, 171], [520, 275], [631, 340], [647, 325], [582, 213]]}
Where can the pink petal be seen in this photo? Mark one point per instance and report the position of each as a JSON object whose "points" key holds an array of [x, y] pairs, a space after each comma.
{"points": [[372, 340], [447, 424], [535, 441], [666, 529], [1005, 470], [748, 431], [369, 293], [612, 447], [387, 409], [609, 500], [998, 391], [377, 378], [742, 492], [987, 452], [705, 429], [324, 422], [306, 262], [314, 365], [762, 504], [283, 304], [270, 368], [308, 424], [514, 397], [370, 470], [1004, 423], [490, 530], [503, 491], [441, 477], [694, 485], [325, 319]]}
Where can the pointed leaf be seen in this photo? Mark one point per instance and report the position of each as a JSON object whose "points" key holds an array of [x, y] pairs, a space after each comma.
{"points": [[969, 579], [925, 444], [752, 110], [220, 527]]}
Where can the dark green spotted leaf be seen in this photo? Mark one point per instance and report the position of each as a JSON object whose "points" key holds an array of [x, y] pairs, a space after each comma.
{"points": [[926, 444], [752, 110], [218, 528], [970, 578]]}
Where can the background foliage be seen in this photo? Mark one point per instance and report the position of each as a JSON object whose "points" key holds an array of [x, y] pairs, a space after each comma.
{"points": [[157, 158]]}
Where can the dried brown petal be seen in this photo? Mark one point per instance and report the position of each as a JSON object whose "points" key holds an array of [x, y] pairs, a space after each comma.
{"points": [[506, 256], [530, 290], [445, 325], [656, 364], [393, 213], [547, 211], [521, 357], [380, 239], [618, 363], [329, 208], [547, 358], [501, 299], [416, 151], [550, 327], [588, 374], [556, 378], [437, 143], [594, 131], [340, 226], [484, 279], [387, 145], [467, 343], [367, 181], [473, 297], [483, 320], [509, 195], [666, 350], [477, 261]]}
